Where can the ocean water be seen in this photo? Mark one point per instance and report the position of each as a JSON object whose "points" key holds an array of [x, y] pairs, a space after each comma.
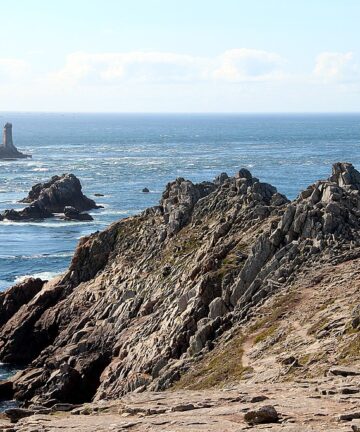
{"points": [[117, 155]]}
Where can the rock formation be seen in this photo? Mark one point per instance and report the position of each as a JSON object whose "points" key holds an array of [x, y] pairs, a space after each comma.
{"points": [[61, 194], [7, 149], [174, 292]]}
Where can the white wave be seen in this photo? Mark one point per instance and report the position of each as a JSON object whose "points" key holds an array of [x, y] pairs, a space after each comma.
{"points": [[54, 224], [40, 169], [37, 256], [41, 275], [117, 212]]}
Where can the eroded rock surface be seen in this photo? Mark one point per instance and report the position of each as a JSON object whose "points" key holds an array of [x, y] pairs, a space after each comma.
{"points": [[147, 300]]}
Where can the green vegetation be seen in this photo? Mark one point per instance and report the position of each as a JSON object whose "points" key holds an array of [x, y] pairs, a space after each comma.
{"points": [[351, 350], [318, 326], [275, 311], [265, 334]]}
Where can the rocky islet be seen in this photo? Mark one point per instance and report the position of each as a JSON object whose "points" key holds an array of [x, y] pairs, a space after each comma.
{"points": [[61, 194]]}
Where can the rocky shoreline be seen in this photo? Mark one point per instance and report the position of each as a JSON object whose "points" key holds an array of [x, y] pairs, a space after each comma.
{"points": [[179, 296]]}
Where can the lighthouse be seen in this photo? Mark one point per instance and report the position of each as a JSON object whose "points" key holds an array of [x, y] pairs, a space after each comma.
{"points": [[7, 149]]}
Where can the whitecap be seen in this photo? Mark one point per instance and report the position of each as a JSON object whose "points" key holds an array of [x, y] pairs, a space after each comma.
{"points": [[41, 275], [55, 224], [37, 256]]}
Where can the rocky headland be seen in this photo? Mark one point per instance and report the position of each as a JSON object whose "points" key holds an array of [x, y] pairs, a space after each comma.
{"points": [[242, 304], [61, 194], [8, 149]]}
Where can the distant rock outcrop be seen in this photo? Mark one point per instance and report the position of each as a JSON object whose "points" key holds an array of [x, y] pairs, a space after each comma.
{"points": [[7, 149], [59, 195]]}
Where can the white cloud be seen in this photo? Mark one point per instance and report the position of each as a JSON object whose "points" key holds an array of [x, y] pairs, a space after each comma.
{"points": [[337, 67], [248, 65], [136, 66], [12, 69], [166, 67]]}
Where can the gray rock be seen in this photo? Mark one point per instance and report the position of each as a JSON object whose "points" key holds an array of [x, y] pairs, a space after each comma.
{"points": [[71, 213], [355, 315], [344, 371], [263, 415], [15, 414], [217, 308]]}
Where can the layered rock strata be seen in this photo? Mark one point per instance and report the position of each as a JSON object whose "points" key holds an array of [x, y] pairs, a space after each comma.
{"points": [[150, 295]]}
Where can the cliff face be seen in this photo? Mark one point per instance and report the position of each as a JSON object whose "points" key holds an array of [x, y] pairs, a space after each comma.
{"points": [[146, 299]]}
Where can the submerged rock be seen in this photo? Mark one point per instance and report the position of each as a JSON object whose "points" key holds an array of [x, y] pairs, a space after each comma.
{"points": [[71, 213]]}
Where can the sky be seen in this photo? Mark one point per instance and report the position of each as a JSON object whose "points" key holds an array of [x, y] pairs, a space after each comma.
{"points": [[238, 56]]}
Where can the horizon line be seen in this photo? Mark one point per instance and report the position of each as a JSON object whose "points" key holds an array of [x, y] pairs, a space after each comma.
{"points": [[3, 112]]}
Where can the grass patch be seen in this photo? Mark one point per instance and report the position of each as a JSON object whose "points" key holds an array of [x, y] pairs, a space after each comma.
{"points": [[220, 366], [265, 334], [282, 305], [318, 326], [351, 351]]}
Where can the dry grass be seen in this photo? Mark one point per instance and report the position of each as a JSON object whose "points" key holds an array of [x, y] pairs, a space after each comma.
{"points": [[220, 366]]}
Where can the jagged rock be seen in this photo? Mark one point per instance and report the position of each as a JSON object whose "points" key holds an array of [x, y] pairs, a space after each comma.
{"points": [[53, 197], [7, 149], [263, 415], [70, 213], [146, 190], [18, 295], [178, 201], [344, 174], [145, 298], [217, 308], [220, 179]]}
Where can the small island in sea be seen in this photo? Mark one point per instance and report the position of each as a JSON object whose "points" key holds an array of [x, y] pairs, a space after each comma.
{"points": [[7, 148]]}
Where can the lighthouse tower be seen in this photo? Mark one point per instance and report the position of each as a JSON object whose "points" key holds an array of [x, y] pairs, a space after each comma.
{"points": [[7, 137], [7, 149]]}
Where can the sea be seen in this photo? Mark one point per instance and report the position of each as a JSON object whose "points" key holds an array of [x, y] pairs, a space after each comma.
{"points": [[117, 155]]}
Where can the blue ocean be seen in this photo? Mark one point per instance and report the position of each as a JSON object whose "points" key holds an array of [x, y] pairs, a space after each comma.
{"points": [[117, 155]]}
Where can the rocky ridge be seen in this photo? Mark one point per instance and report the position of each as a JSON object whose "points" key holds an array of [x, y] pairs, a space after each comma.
{"points": [[61, 194], [181, 291]]}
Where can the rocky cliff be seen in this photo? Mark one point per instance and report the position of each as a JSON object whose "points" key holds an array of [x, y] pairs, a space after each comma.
{"points": [[175, 292]]}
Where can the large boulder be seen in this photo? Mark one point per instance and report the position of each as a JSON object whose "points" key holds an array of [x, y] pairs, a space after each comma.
{"points": [[58, 192]]}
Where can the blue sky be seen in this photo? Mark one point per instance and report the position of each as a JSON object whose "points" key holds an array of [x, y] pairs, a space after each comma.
{"points": [[180, 56]]}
